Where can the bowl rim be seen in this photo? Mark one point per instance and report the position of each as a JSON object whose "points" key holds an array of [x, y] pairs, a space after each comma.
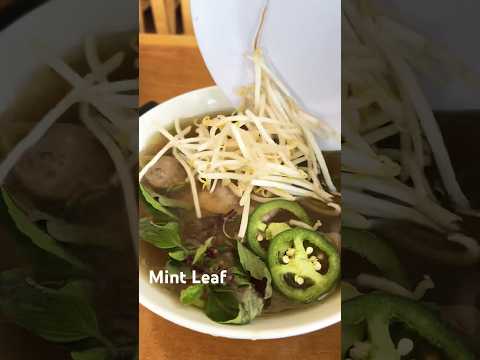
{"points": [[212, 328]]}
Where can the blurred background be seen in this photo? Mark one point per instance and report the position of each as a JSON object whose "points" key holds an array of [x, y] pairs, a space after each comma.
{"points": [[165, 17]]}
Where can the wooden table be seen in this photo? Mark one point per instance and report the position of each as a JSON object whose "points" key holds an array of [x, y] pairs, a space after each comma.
{"points": [[169, 66]]}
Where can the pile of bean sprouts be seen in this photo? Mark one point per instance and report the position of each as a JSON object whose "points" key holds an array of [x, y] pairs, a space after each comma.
{"points": [[383, 99], [265, 150]]}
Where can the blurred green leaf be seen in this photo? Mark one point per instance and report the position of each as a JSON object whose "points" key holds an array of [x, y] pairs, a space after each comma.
{"points": [[38, 236]]}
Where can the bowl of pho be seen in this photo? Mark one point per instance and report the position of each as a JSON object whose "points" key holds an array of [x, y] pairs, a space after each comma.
{"points": [[239, 213]]}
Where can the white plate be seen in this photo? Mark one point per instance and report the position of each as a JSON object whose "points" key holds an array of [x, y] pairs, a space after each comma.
{"points": [[301, 41], [162, 302]]}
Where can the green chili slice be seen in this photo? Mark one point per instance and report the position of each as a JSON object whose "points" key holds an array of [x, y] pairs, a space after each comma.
{"points": [[304, 264], [258, 223], [378, 311]]}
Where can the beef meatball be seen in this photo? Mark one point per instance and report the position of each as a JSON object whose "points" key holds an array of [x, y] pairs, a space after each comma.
{"points": [[221, 201], [167, 172], [68, 160]]}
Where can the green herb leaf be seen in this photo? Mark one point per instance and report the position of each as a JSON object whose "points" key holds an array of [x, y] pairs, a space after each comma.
{"points": [[161, 236], [154, 203], [241, 277], [178, 255], [38, 237], [82, 289], [168, 202], [222, 305], [255, 267], [77, 234], [193, 295], [251, 305], [202, 249], [50, 314], [91, 354]]}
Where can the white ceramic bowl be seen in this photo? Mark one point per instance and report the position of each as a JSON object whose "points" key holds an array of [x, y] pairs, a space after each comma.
{"points": [[63, 26], [164, 303]]}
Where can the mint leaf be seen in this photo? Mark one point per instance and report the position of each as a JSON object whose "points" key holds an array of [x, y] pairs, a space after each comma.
{"points": [[202, 249], [38, 237], [161, 236], [255, 267], [193, 295], [91, 354], [240, 276], [250, 306], [224, 306]]}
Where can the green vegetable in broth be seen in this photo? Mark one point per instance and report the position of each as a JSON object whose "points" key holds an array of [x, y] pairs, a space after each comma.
{"points": [[165, 236], [37, 236], [254, 266]]}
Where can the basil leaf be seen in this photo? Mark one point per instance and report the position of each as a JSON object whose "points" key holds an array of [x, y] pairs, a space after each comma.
{"points": [[255, 267], [178, 255], [222, 305], [155, 204], [161, 236], [91, 354], [202, 249], [50, 314], [193, 295], [38, 237], [251, 305]]}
